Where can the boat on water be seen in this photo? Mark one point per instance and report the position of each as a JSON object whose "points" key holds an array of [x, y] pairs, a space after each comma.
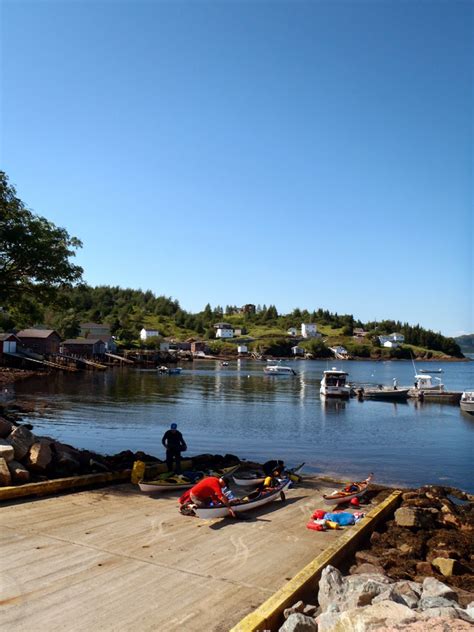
{"points": [[383, 393], [251, 478], [166, 370], [425, 383], [239, 505], [348, 492], [467, 402], [278, 369], [334, 384], [170, 481], [431, 371]]}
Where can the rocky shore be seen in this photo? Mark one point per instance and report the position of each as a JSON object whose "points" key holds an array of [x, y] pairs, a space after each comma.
{"points": [[415, 574]]}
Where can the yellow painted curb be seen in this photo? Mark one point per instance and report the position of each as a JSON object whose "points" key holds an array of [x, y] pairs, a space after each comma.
{"points": [[270, 614]]}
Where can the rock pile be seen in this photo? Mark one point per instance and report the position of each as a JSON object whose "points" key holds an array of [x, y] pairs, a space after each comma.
{"points": [[26, 457], [373, 601]]}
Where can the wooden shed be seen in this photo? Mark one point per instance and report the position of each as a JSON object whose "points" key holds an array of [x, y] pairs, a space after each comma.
{"points": [[84, 347], [44, 341]]}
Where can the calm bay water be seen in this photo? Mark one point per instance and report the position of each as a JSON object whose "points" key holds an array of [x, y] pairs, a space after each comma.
{"points": [[240, 410]]}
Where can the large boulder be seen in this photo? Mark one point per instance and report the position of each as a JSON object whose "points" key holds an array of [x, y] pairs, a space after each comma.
{"points": [[427, 603], [299, 623], [39, 457], [341, 593], [21, 439], [414, 517], [434, 588], [405, 592], [383, 615], [66, 464], [5, 476], [447, 566], [5, 427], [6, 450], [19, 473]]}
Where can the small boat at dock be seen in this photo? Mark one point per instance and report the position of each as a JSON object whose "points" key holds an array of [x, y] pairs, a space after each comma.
{"points": [[431, 370], [467, 402], [252, 501], [348, 492], [383, 393], [170, 481], [166, 370]]}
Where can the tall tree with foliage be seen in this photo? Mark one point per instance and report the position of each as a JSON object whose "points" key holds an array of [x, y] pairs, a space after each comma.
{"points": [[34, 255]]}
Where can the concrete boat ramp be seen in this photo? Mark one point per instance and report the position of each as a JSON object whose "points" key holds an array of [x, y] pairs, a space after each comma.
{"points": [[115, 559]]}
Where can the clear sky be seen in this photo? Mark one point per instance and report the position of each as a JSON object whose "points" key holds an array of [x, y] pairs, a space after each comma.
{"points": [[304, 154]]}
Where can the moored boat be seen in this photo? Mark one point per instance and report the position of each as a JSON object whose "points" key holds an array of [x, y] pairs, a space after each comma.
{"points": [[383, 393], [334, 384], [170, 481], [277, 369], [348, 492], [467, 402], [252, 501], [431, 370]]}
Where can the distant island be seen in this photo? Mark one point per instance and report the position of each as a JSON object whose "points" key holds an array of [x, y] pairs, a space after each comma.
{"points": [[466, 343]]}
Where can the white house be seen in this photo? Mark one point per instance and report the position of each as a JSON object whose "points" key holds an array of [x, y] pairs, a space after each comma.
{"points": [[292, 331], [309, 330], [339, 351], [224, 330], [145, 334], [297, 351], [242, 349], [392, 340]]}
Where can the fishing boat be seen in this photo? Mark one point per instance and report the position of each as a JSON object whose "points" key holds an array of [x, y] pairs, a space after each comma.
{"points": [[431, 370], [277, 369], [348, 492], [425, 383], [254, 477], [467, 402], [383, 393], [334, 384], [170, 481], [252, 501], [440, 397]]}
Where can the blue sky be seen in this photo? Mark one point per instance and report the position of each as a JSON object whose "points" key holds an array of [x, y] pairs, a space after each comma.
{"points": [[310, 154]]}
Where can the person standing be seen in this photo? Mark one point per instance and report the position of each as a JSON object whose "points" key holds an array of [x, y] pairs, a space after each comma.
{"points": [[174, 444]]}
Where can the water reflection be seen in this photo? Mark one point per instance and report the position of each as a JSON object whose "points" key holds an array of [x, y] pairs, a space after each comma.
{"points": [[239, 409]]}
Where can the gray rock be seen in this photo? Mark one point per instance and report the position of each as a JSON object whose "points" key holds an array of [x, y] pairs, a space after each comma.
{"points": [[426, 603], [66, 464], [434, 588], [299, 623], [415, 517], [331, 587], [39, 457], [310, 610], [19, 473], [295, 608], [361, 589], [470, 610], [5, 476], [327, 620], [447, 612], [21, 439], [386, 614], [405, 592], [6, 450], [5, 428]]}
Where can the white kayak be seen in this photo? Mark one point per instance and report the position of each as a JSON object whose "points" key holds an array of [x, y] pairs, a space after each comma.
{"points": [[252, 478], [262, 498], [347, 493]]}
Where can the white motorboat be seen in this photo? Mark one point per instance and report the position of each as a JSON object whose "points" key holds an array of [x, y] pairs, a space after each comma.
{"points": [[425, 383], [334, 384], [467, 402], [278, 369]]}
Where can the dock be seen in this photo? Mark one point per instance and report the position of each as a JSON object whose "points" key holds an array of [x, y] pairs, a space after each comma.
{"points": [[115, 559]]}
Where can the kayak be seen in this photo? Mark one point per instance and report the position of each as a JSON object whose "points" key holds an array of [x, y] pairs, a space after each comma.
{"points": [[253, 477], [169, 481], [253, 500], [348, 492]]}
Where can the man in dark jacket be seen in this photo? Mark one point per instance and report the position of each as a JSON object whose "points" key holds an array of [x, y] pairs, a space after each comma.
{"points": [[174, 444]]}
